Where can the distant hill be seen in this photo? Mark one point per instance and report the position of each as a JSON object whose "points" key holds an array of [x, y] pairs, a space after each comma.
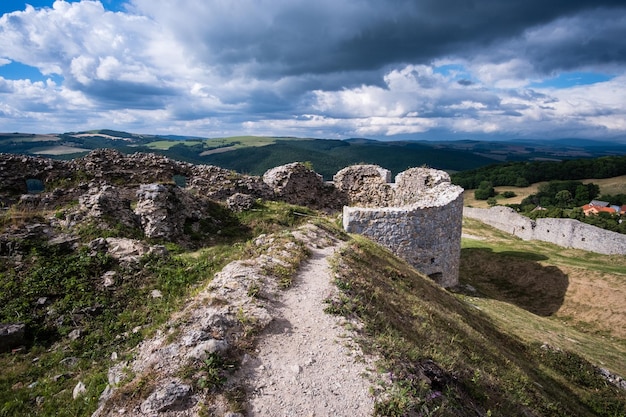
{"points": [[256, 154]]}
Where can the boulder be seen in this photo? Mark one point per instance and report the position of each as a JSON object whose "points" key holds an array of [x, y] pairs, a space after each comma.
{"points": [[11, 336], [171, 396]]}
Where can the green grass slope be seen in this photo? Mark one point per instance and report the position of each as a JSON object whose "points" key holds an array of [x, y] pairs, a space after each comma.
{"points": [[493, 353]]}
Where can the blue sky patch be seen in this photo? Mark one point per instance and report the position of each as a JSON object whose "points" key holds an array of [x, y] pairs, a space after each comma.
{"points": [[572, 79]]}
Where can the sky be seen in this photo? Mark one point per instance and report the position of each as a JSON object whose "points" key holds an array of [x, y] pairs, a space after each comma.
{"points": [[380, 69]]}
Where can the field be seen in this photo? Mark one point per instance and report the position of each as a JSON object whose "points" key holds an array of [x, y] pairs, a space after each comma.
{"points": [[539, 292], [615, 185], [217, 144], [523, 335]]}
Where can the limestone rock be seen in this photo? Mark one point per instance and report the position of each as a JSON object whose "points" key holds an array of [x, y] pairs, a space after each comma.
{"points": [[365, 185], [297, 184], [125, 250], [172, 395], [11, 336], [104, 202], [240, 202], [79, 390]]}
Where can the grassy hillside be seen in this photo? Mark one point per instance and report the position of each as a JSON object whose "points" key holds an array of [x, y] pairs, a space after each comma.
{"points": [[329, 156], [523, 344]]}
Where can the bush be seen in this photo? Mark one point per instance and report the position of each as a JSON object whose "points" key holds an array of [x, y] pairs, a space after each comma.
{"points": [[484, 191]]}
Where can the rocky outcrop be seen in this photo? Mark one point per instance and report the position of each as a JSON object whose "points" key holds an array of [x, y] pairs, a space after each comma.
{"points": [[139, 168], [219, 183], [365, 185], [161, 210], [104, 202], [11, 336], [418, 218], [240, 202], [296, 184]]}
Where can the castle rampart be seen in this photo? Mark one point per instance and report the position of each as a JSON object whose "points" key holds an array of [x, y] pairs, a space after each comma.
{"points": [[568, 233], [419, 217]]}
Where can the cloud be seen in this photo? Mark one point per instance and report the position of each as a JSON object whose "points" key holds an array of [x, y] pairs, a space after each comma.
{"points": [[336, 69]]}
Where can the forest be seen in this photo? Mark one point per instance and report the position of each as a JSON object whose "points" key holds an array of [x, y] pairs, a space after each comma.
{"points": [[522, 174]]}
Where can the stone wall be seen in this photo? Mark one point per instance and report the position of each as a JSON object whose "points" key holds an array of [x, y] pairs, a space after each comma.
{"points": [[293, 183], [419, 217], [568, 233]]}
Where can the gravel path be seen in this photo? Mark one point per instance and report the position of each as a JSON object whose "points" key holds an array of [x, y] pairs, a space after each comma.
{"points": [[305, 363]]}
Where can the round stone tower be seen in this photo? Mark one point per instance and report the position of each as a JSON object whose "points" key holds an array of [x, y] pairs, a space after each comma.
{"points": [[418, 217]]}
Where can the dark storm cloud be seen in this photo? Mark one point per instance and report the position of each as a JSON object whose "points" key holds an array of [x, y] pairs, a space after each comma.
{"points": [[334, 68], [321, 37]]}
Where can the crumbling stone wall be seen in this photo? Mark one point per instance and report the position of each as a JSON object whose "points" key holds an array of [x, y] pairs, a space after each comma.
{"points": [[419, 217], [568, 233], [16, 169], [297, 184]]}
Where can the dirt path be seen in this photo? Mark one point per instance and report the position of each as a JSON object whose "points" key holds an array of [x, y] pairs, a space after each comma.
{"points": [[305, 364]]}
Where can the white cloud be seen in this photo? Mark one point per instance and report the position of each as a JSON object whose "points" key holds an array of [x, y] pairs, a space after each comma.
{"points": [[306, 68]]}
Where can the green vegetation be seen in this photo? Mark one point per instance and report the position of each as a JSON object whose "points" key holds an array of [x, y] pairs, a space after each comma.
{"points": [[484, 191], [329, 156], [563, 194], [449, 355], [563, 199], [167, 144], [75, 323], [521, 174]]}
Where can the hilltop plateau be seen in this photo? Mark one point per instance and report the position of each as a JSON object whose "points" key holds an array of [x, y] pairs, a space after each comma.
{"points": [[139, 285]]}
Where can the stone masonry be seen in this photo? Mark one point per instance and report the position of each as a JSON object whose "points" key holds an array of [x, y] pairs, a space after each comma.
{"points": [[418, 217], [568, 233]]}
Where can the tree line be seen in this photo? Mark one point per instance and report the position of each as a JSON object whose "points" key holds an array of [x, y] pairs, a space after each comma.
{"points": [[522, 174]]}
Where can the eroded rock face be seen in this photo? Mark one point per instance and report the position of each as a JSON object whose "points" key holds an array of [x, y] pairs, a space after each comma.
{"points": [[171, 396], [105, 202], [169, 212], [296, 184], [219, 183], [365, 185], [115, 167], [240, 202], [16, 169]]}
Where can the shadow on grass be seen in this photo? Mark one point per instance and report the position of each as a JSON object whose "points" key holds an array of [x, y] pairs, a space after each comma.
{"points": [[516, 278]]}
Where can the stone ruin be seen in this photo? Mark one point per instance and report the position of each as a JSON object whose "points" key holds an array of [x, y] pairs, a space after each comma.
{"points": [[419, 217]]}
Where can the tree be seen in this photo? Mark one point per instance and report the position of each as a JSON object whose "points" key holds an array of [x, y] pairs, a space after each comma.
{"points": [[563, 198], [582, 194], [484, 191], [521, 182]]}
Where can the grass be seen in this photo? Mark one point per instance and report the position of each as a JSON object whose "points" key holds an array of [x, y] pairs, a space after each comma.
{"points": [[525, 343], [544, 293], [56, 290], [164, 145], [451, 355], [615, 185]]}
